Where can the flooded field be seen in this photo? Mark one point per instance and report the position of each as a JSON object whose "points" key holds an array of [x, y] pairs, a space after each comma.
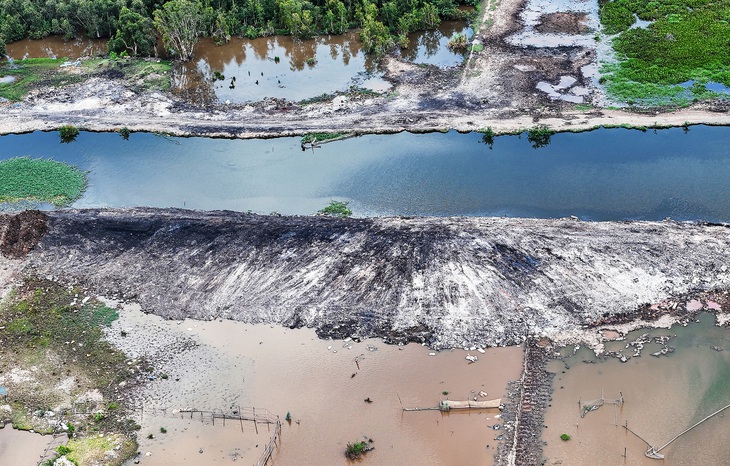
{"points": [[663, 396], [431, 47], [323, 384]]}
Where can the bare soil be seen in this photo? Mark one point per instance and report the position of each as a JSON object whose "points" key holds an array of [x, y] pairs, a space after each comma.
{"points": [[495, 88]]}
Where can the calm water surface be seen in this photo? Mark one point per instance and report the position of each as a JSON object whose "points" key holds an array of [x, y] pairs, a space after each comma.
{"points": [[601, 175]]}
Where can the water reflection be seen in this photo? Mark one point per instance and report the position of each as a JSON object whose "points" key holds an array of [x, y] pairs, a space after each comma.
{"points": [[280, 67], [431, 47], [56, 47]]}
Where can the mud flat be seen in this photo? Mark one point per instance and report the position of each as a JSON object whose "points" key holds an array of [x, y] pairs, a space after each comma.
{"points": [[324, 384]]}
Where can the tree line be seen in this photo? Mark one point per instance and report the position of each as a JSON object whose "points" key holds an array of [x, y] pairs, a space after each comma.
{"points": [[133, 26]]}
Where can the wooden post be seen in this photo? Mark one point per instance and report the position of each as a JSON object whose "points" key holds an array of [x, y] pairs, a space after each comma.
{"points": [[240, 418], [254, 421]]}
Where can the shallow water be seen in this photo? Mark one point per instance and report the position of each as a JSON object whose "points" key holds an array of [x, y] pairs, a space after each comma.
{"points": [[321, 385], [431, 47], [304, 69], [18, 447], [56, 47], [611, 174], [663, 396]]}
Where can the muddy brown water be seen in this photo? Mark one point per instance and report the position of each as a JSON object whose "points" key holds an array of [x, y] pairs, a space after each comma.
{"points": [[19, 447], [320, 384], [56, 47], [663, 396]]}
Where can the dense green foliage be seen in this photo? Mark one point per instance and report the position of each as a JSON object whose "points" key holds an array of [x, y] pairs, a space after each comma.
{"points": [[24, 178], [132, 25], [689, 40], [68, 133]]}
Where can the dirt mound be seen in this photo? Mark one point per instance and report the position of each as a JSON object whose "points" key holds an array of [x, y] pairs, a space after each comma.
{"points": [[563, 23], [20, 233]]}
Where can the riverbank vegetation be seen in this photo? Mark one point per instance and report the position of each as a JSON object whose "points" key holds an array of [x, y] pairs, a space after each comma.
{"points": [[673, 58], [133, 26], [40, 180], [57, 332], [38, 73]]}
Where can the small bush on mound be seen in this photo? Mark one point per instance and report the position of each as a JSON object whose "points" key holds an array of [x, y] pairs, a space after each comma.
{"points": [[337, 209], [357, 450], [40, 180]]}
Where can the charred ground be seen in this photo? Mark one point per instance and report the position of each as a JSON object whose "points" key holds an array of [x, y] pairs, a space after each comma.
{"points": [[449, 282]]}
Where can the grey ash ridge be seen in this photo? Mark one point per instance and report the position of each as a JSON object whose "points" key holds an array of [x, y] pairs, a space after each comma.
{"points": [[448, 282]]}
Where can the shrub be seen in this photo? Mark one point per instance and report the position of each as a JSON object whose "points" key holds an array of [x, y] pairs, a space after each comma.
{"points": [[125, 133], [68, 133], [564, 437], [539, 136], [337, 209], [356, 450]]}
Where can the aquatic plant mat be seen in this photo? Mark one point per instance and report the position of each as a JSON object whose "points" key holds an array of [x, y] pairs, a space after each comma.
{"points": [[40, 180], [673, 58]]}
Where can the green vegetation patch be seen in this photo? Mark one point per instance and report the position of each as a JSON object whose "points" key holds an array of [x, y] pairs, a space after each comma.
{"points": [[34, 72], [93, 449], [40, 180], [337, 209], [687, 41], [320, 137]]}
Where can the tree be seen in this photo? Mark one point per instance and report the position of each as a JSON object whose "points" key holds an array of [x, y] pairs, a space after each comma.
{"points": [[180, 22], [135, 33]]}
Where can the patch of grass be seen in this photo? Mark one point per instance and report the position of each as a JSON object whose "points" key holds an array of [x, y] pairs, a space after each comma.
{"points": [[564, 437], [93, 449], [33, 72], [476, 47], [337, 209], [583, 107], [25, 178]]}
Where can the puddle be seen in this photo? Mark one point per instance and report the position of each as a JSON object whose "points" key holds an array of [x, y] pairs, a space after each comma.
{"points": [[563, 91], [56, 47], [662, 396], [19, 447], [323, 384], [431, 47], [640, 23], [7, 79], [710, 86]]}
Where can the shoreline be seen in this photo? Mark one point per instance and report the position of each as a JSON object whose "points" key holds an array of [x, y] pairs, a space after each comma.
{"points": [[230, 123]]}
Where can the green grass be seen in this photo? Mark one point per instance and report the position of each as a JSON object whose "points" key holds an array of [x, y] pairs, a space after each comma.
{"points": [[46, 314], [40, 180], [319, 137], [688, 40], [356, 450], [29, 73]]}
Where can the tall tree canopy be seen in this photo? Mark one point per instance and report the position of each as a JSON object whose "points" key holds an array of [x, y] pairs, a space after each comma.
{"points": [[181, 23]]}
